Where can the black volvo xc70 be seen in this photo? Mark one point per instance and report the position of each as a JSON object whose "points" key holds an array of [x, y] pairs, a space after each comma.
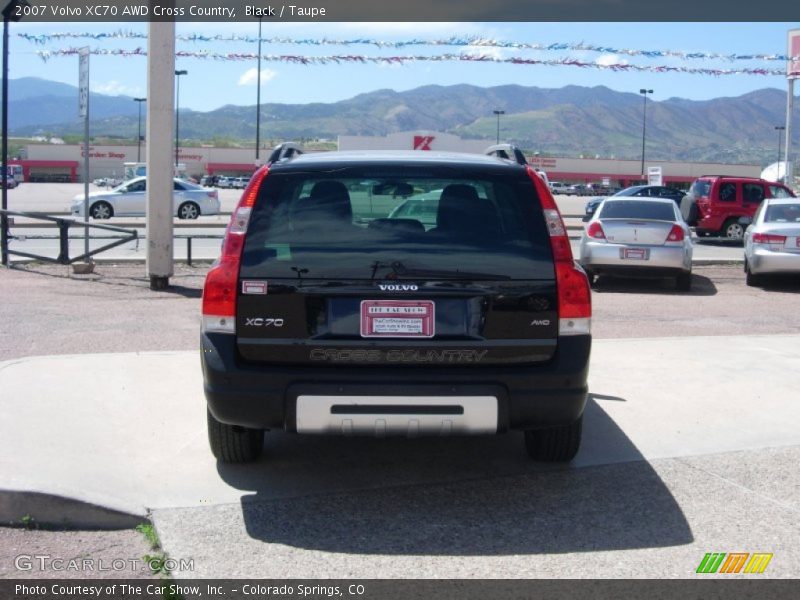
{"points": [[330, 311]]}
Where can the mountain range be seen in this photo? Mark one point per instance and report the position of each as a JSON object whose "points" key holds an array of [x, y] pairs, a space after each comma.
{"points": [[567, 121]]}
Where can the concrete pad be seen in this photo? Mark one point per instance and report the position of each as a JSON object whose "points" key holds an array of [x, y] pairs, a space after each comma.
{"points": [[127, 431]]}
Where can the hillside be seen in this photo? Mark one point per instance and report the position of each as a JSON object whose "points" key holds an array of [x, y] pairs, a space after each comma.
{"points": [[568, 121]]}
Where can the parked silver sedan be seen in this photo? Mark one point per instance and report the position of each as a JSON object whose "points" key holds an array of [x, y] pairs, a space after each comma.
{"points": [[129, 199], [638, 238], [772, 241]]}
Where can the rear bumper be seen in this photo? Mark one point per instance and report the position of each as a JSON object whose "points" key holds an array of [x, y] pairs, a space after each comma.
{"points": [[607, 258], [266, 397], [763, 262]]}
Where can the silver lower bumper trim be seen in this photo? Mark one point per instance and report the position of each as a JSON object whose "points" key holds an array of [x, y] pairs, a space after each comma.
{"points": [[397, 415]]}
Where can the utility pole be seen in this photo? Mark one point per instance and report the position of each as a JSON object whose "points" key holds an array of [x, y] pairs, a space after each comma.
{"points": [[498, 113], [139, 130], [177, 111], [258, 92], [644, 92]]}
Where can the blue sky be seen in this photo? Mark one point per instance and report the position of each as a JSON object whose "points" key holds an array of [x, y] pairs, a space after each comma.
{"points": [[211, 84]]}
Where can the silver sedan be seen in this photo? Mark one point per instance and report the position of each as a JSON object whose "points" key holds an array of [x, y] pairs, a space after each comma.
{"points": [[638, 238], [130, 199], [772, 241]]}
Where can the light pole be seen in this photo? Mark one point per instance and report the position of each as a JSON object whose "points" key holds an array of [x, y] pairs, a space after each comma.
{"points": [[258, 92], [780, 129], [10, 13], [178, 111], [644, 93], [139, 130], [498, 113]]}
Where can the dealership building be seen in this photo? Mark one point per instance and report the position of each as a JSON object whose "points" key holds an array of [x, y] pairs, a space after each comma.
{"points": [[64, 162]]}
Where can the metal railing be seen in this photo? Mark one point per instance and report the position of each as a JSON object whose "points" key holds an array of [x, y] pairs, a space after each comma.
{"points": [[63, 258]]}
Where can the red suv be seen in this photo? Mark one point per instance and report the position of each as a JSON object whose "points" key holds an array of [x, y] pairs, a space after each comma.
{"points": [[715, 203]]}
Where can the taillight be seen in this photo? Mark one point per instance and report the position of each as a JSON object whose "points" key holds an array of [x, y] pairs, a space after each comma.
{"points": [[219, 291], [574, 294], [769, 239], [595, 231], [676, 234]]}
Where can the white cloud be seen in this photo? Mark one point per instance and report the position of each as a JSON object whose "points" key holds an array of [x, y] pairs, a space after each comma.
{"points": [[250, 77], [114, 88], [610, 59], [490, 51]]}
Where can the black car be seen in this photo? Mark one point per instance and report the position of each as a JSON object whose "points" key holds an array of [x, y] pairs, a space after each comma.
{"points": [[641, 191], [326, 315]]}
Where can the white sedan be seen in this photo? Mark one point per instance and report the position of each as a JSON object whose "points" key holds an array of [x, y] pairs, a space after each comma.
{"points": [[129, 199]]}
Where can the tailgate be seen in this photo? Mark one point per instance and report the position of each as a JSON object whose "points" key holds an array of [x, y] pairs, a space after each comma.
{"points": [[375, 323]]}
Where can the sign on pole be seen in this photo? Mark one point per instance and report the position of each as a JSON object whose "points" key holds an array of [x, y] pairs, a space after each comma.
{"points": [[793, 65], [792, 73], [654, 176], [83, 82]]}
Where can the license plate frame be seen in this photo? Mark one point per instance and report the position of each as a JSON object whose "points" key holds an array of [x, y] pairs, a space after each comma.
{"points": [[634, 253], [414, 319]]}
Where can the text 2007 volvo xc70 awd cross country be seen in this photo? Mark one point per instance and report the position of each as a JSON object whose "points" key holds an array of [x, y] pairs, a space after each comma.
{"points": [[327, 313]]}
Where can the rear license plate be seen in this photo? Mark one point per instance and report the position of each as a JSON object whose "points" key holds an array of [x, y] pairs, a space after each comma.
{"points": [[635, 254], [397, 318]]}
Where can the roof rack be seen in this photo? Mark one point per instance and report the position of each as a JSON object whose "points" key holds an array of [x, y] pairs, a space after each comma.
{"points": [[507, 151], [284, 151], [736, 176]]}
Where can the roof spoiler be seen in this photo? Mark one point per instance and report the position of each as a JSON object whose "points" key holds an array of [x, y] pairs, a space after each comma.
{"points": [[507, 151], [285, 151]]}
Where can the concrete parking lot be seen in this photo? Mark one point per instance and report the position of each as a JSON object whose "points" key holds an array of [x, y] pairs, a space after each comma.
{"points": [[691, 444]]}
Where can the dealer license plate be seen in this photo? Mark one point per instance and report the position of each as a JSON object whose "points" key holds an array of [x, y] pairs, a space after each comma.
{"points": [[398, 318], [635, 254]]}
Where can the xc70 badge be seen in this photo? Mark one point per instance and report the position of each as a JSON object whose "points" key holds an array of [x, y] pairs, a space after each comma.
{"points": [[263, 322]]}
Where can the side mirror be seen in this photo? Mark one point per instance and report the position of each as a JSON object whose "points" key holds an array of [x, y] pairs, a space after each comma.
{"points": [[745, 221]]}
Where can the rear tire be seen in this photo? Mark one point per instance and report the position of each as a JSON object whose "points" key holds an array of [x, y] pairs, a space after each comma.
{"points": [[750, 279], [554, 444], [101, 210], [234, 444], [733, 230], [683, 282]]}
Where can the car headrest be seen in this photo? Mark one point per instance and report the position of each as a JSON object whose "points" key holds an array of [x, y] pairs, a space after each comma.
{"points": [[460, 209], [329, 203]]}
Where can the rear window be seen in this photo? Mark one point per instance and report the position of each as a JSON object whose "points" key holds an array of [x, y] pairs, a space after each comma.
{"points": [[700, 188], [783, 213], [631, 191], [637, 209], [366, 224], [778, 191]]}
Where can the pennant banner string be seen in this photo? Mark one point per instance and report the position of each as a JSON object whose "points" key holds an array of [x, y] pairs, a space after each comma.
{"points": [[477, 42], [401, 60]]}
